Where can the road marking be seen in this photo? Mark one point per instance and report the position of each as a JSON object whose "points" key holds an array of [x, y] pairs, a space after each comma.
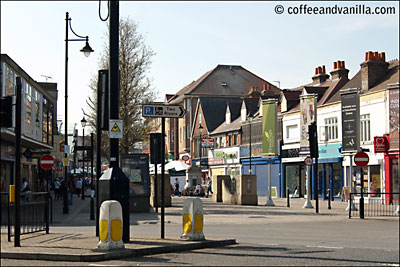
{"points": [[94, 264], [324, 247]]}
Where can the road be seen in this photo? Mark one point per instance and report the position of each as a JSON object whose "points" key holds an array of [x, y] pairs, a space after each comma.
{"points": [[265, 235]]}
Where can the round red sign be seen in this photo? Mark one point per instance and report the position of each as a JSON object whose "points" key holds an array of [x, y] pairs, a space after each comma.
{"points": [[185, 157], [47, 162], [308, 161], [361, 159]]}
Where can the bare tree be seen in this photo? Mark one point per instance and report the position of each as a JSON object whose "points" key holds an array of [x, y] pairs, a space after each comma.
{"points": [[135, 86]]}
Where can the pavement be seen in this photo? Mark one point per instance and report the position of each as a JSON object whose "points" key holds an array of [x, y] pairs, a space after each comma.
{"points": [[61, 245]]}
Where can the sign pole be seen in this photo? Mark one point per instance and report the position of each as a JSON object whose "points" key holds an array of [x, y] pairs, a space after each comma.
{"points": [[155, 187], [353, 207], [308, 204], [162, 177], [362, 195]]}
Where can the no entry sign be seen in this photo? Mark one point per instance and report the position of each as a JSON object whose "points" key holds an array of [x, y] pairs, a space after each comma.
{"points": [[361, 159], [47, 162]]}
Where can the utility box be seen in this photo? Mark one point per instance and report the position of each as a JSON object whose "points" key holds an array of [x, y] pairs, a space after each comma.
{"points": [[114, 185], [247, 189], [136, 168], [194, 175]]}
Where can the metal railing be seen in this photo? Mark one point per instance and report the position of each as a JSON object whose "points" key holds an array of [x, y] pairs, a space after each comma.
{"points": [[384, 204], [34, 213]]}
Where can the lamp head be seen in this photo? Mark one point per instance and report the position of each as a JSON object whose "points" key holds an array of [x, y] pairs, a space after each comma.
{"points": [[83, 122], [200, 128], [87, 49]]}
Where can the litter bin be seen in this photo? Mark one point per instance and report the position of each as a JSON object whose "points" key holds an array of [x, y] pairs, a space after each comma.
{"points": [[114, 185]]}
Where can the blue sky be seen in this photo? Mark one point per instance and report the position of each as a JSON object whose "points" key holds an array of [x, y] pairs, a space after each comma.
{"points": [[190, 38]]}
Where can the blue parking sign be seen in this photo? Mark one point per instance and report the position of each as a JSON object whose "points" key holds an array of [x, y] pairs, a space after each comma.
{"points": [[148, 110]]}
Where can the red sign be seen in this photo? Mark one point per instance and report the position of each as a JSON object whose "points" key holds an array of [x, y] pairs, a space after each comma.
{"points": [[308, 161], [380, 144], [361, 159], [46, 162]]}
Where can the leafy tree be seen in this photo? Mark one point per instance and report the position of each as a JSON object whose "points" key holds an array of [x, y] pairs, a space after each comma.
{"points": [[135, 86]]}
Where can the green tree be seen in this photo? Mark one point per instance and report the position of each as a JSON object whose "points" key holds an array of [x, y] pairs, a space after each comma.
{"points": [[135, 86]]}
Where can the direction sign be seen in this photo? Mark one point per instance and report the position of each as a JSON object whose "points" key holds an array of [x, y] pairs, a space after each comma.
{"points": [[308, 161], [47, 162], [361, 159], [166, 111]]}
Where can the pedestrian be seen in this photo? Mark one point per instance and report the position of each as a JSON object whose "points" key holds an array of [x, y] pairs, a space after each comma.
{"points": [[209, 183], [57, 186], [78, 186], [177, 192], [25, 188], [186, 188]]}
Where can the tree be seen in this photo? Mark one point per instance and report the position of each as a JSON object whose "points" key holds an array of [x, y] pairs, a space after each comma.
{"points": [[135, 86]]}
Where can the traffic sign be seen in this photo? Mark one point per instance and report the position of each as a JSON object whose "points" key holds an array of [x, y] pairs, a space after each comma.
{"points": [[185, 158], [166, 111], [47, 162], [115, 129], [207, 142], [361, 159], [308, 161]]}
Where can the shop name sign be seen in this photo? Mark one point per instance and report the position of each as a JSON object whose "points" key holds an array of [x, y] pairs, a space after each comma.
{"points": [[380, 144]]}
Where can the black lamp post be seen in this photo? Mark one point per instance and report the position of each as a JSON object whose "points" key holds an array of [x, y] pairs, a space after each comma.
{"points": [[200, 151], [86, 50], [83, 123]]}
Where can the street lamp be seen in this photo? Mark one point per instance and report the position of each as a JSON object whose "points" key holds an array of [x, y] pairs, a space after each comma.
{"points": [[83, 123], [86, 50], [200, 130]]}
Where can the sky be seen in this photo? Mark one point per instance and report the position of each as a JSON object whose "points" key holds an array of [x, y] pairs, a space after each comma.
{"points": [[190, 38]]}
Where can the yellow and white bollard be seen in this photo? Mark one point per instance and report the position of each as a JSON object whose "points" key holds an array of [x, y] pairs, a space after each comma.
{"points": [[110, 225], [193, 219]]}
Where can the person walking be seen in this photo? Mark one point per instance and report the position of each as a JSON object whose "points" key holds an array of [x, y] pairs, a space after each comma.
{"points": [[177, 192], [57, 186], [78, 186], [209, 184]]}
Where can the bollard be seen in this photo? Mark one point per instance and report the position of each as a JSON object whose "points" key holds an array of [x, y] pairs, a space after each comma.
{"points": [[287, 197], [192, 223], [12, 193], [110, 225], [92, 205], [329, 199]]}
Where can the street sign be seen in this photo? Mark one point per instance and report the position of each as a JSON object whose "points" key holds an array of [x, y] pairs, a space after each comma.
{"points": [[28, 154], [116, 129], [361, 159], [185, 157], [166, 111], [65, 161], [308, 161], [47, 162]]}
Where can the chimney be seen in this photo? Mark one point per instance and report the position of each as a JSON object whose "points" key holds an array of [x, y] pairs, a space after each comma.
{"points": [[339, 71], [320, 75], [372, 69]]}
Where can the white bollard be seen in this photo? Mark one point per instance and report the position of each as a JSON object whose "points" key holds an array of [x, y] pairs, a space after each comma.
{"points": [[193, 219], [110, 225]]}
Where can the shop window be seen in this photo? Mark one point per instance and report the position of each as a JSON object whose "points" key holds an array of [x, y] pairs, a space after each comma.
{"points": [[375, 180], [331, 128], [365, 129]]}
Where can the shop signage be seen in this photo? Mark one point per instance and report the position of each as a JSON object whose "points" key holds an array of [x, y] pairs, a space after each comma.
{"points": [[207, 142], [308, 114], [46, 162], [361, 159], [380, 144], [269, 122], [394, 125], [350, 120], [290, 153]]}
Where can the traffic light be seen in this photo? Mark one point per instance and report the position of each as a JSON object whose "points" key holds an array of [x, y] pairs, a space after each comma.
{"points": [[155, 148], [6, 111], [312, 137]]}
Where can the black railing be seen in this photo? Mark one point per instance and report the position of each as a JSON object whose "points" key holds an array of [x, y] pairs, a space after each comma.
{"points": [[34, 213], [384, 204]]}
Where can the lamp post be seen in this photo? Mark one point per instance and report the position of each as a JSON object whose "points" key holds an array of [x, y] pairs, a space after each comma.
{"points": [[86, 50], [200, 130], [83, 123]]}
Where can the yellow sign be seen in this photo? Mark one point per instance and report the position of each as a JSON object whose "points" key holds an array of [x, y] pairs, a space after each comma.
{"points": [[65, 162], [115, 128]]}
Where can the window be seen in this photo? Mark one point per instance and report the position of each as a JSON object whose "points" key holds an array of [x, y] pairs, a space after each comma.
{"points": [[365, 129], [331, 128], [292, 132], [235, 139], [199, 118]]}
